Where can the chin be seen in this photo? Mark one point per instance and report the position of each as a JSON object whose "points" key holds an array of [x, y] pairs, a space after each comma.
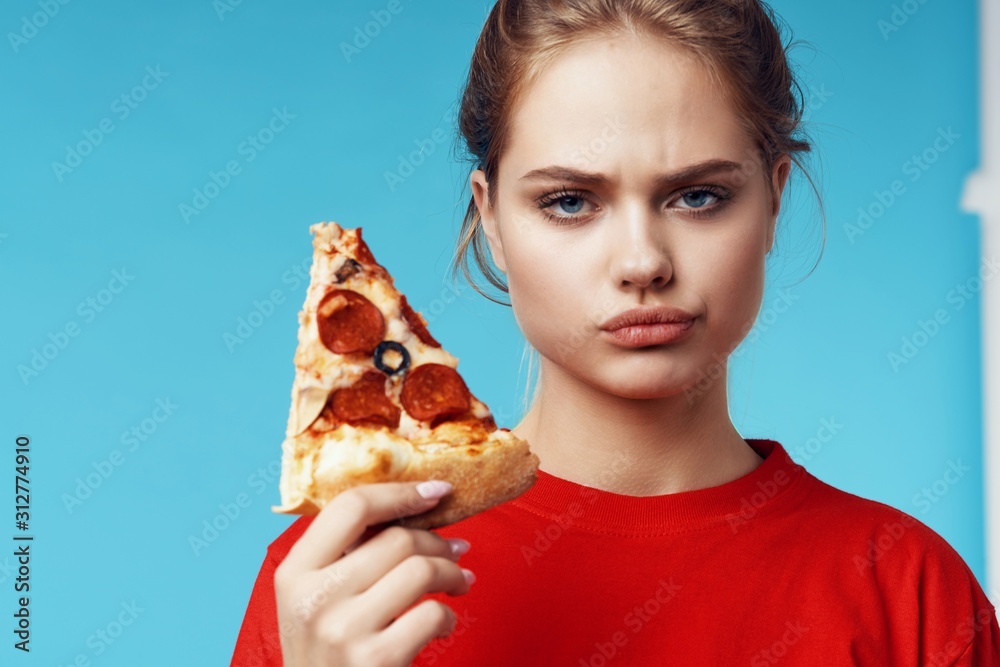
{"points": [[634, 392], [646, 383]]}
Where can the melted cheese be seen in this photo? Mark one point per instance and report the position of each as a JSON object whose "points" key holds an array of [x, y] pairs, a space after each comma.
{"points": [[348, 448]]}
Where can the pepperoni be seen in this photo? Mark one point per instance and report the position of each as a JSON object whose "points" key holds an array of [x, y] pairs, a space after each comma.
{"points": [[415, 323], [366, 402], [349, 322], [434, 390]]}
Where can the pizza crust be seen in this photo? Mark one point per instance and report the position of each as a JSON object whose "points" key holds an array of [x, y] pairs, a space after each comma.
{"points": [[482, 474]]}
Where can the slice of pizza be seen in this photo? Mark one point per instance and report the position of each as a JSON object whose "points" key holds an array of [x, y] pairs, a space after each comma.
{"points": [[377, 399]]}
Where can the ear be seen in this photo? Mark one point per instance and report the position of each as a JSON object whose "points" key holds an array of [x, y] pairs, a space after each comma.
{"points": [[480, 193], [779, 177]]}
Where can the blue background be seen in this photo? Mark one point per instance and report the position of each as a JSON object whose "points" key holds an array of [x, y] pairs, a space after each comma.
{"points": [[877, 100]]}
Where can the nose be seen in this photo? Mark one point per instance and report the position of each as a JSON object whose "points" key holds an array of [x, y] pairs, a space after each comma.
{"points": [[639, 248]]}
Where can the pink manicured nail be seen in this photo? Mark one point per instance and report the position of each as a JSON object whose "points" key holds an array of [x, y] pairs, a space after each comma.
{"points": [[458, 545], [469, 577], [435, 488]]}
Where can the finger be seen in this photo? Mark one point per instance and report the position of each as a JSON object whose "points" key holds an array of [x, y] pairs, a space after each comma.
{"points": [[408, 634], [344, 519], [391, 595], [369, 532], [372, 560]]}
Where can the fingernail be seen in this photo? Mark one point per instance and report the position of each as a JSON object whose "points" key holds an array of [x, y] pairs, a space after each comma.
{"points": [[454, 623], [469, 577], [458, 545], [435, 488]]}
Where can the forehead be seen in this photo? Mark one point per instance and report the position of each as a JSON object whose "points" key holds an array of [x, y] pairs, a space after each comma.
{"points": [[626, 105]]}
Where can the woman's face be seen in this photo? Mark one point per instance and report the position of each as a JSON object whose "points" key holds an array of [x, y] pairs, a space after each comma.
{"points": [[595, 143]]}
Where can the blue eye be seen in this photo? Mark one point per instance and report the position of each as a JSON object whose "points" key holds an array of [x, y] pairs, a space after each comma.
{"points": [[703, 200], [568, 206], [571, 209], [563, 206], [697, 198]]}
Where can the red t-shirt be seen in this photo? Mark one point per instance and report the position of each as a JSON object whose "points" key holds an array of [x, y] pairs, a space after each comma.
{"points": [[776, 567]]}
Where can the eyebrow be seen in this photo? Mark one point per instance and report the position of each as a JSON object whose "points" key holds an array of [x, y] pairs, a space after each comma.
{"points": [[559, 173]]}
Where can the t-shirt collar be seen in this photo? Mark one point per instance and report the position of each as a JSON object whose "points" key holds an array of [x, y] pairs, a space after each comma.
{"points": [[735, 504]]}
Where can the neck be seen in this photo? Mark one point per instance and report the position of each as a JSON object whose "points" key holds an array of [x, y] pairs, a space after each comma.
{"points": [[637, 447]]}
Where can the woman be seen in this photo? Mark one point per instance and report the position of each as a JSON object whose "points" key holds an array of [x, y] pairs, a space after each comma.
{"points": [[631, 159]]}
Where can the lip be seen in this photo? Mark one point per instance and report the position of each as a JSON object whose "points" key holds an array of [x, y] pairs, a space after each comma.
{"points": [[641, 327], [643, 335], [646, 316]]}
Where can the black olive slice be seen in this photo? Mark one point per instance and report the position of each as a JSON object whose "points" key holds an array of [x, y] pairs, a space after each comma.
{"points": [[348, 269], [391, 345]]}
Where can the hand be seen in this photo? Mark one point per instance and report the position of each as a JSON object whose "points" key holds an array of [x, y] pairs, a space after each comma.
{"points": [[345, 600]]}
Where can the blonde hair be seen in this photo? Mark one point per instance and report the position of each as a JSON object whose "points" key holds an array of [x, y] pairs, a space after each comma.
{"points": [[736, 40]]}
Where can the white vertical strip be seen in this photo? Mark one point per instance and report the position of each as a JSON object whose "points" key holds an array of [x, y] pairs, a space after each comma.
{"points": [[982, 196]]}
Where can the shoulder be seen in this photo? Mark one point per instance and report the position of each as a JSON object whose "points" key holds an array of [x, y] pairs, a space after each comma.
{"points": [[891, 568], [282, 544], [919, 579], [882, 537]]}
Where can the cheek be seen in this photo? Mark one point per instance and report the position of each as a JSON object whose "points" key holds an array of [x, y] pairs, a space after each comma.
{"points": [[733, 294], [550, 287]]}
